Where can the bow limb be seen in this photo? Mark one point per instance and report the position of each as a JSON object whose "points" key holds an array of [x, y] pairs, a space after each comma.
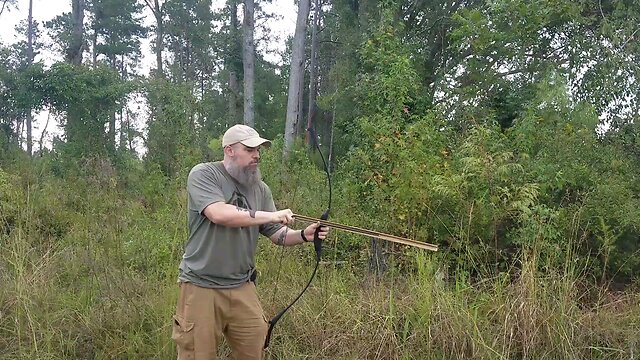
{"points": [[317, 244]]}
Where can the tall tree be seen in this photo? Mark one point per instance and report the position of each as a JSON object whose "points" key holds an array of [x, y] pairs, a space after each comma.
{"points": [[184, 104], [188, 29], [29, 63], [88, 97], [231, 63], [313, 67], [117, 27], [295, 75], [20, 79], [427, 28], [248, 61], [157, 10], [75, 47]]}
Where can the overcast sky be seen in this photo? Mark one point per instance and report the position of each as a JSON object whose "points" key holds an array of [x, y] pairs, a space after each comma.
{"points": [[45, 10]]}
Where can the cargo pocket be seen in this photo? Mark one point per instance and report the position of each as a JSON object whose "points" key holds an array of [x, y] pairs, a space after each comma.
{"points": [[182, 334]]}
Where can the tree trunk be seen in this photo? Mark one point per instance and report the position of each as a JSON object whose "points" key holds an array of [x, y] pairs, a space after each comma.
{"points": [[230, 65], [234, 90], [18, 133], [156, 9], [112, 118], [123, 108], [112, 132], [248, 60], [129, 135], [94, 44], [331, 132], [297, 59], [122, 143], [313, 74], [159, 35], [363, 13], [300, 114], [29, 63], [378, 259], [44, 131], [76, 47]]}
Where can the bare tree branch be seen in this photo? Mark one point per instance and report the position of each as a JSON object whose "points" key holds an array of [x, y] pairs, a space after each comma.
{"points": [[4, 4]]}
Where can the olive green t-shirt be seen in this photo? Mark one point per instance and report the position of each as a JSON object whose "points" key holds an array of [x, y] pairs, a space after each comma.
{"points": [[217, 256]]}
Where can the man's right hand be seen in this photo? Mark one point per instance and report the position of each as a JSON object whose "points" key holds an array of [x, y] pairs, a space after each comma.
{"points": [[283, 217]]}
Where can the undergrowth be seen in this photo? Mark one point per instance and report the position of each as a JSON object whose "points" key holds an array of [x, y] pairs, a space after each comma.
{"points": [[88, 271]]}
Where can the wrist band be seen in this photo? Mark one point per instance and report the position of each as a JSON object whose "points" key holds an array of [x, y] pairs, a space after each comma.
{"points": [[302, 236]]}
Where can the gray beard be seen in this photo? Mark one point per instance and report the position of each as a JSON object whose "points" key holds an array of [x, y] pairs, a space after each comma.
{"points": [[245, 176]]}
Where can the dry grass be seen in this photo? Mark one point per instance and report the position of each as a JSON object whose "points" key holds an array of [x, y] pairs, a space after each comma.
{"points": [[103, 287]]}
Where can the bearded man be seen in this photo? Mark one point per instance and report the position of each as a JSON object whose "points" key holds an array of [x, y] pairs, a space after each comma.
{"points": [[228, 207]]}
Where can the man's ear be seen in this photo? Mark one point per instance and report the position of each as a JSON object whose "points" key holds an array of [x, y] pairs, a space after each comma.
{"points": [[228, 150]]}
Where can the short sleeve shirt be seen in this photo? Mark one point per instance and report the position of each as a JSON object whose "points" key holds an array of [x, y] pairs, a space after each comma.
{"points": [[218, 256]]}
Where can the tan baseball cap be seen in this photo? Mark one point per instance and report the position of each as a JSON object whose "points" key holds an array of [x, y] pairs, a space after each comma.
{"points": [[245, 135]]}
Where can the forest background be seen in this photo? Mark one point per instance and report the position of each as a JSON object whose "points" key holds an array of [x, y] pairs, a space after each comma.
{"points": [[505, 131]]}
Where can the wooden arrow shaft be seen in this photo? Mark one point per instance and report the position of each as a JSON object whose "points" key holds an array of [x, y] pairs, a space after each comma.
{"points": [[366, 232]]}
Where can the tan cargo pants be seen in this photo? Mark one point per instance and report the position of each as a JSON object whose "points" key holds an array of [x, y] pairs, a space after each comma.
{"points": [[203, 315]]}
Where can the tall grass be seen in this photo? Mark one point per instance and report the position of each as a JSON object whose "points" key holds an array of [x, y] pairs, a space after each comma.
{"points": [[92, 275]]}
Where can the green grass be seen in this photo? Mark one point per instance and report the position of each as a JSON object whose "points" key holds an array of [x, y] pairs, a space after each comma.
{"points": [[93, 276]]}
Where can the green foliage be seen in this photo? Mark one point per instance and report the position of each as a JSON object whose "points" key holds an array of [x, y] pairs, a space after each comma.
{"points": [[9, 195], [189, 34], [387, 83], [89, 262], [270, 99], [171, 134], [500, 189], [20, 90], [475, 125], [509, 45], [60, 29], [393, 144], [299, 184], [586, 180], [88, 97], [118, 27]]}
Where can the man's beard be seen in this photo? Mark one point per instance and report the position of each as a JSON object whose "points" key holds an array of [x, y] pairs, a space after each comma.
{"points": [[247, 176]]}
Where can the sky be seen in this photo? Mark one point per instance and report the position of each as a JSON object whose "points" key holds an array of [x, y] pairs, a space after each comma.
{"points": [[45, 10]]}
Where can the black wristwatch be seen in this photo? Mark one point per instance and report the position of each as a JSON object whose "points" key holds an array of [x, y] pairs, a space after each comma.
{"points": [[302, 236]]}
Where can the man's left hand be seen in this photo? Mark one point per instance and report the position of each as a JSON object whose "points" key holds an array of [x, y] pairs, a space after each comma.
{"points": [[310, 230]]}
